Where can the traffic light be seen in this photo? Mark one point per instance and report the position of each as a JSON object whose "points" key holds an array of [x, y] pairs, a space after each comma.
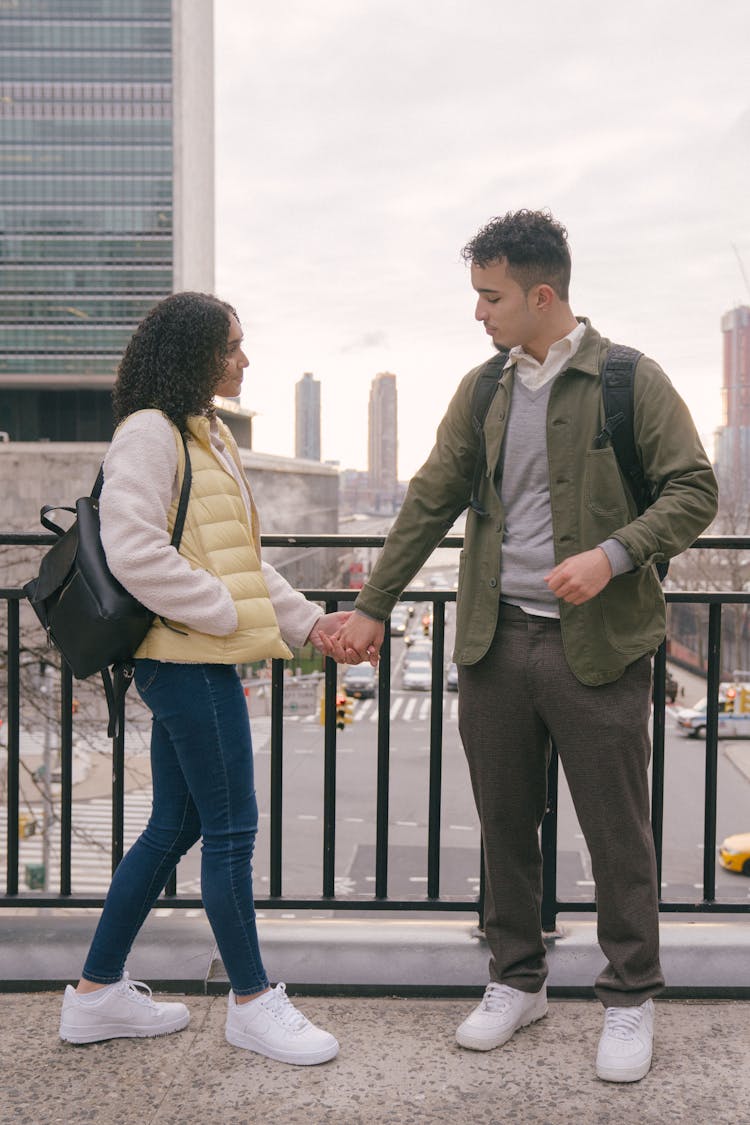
{"points": [[26, 826], [344, 708]]}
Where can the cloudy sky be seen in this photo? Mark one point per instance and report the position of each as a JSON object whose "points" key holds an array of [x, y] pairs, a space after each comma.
{"points": [[361, 143]]}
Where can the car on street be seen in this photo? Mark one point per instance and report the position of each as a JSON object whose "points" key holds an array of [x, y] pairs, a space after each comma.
{"points": [[419, 650], [360, 681], [417, 676], [451, 677], [734, 853], [734, 714], [399, 621]]}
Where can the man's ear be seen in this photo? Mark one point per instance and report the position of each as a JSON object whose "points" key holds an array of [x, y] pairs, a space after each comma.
{"points": [[542, 297]]}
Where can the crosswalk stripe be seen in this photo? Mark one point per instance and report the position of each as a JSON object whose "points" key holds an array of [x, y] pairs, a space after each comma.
{"points": [[91, 853]]}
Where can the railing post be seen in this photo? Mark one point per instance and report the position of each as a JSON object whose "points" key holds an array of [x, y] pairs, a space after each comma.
{"points": [[436, 751], [14, 728], [66, 777], [329, 776], [277, 775], [712, 751], [384, 767]]}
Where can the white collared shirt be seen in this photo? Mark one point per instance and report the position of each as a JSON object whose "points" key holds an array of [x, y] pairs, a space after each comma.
{"points": [[534, 374]]}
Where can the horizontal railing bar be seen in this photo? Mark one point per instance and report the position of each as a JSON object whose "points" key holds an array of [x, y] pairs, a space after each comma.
{"points": [[45, 539]]}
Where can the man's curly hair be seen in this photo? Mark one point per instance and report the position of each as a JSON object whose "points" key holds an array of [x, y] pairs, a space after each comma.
{"points": [[175, 358], [532, 243]]}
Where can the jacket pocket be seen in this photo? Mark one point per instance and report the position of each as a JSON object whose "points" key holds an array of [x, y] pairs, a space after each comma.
{"points": [[633, 612], [604, 491]]}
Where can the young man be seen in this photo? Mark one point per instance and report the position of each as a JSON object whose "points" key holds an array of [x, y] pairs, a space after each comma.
{"points": [[559, 611]]}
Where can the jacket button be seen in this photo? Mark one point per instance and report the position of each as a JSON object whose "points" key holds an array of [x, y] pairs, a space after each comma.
{"points": [[493, 582]]}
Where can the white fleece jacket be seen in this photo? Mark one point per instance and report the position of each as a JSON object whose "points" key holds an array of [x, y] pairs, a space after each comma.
{"points": [[140, 484]]}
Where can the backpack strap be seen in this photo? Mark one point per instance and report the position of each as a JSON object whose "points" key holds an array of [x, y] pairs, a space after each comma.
{"points": [[618, 378], [118, 679], [484, 392]]}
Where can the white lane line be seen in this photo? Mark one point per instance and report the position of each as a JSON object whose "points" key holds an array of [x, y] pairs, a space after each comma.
{"points": [[409, 710]]}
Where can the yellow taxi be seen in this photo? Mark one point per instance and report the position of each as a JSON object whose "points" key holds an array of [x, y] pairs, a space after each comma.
{"points": [[734, 853]]}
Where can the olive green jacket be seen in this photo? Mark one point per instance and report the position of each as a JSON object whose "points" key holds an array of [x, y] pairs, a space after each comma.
{"points": [[590, 502]]}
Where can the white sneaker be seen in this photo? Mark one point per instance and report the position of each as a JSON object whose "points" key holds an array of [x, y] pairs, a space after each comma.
{"points": [[502, 1011], [119, 1011], [626, 1043], [272, 1026]]}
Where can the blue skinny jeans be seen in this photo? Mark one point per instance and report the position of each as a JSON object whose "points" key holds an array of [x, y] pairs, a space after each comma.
{"points": [[203, 785]]}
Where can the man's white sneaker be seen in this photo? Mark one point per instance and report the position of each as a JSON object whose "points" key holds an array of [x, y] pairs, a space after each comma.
{"points": [[272, 1026], [502, 1011], [119, 1011], [626, 1043]]}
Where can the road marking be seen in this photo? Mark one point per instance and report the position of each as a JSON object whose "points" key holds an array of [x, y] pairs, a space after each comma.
{"points": [[462, 827], [354, 820], [306, 816], [417, 878], [396, 706], [409, 710], [407, 824], [585, 883]]}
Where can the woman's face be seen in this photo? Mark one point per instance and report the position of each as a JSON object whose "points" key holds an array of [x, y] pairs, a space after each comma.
{"points": [[235, 363]]}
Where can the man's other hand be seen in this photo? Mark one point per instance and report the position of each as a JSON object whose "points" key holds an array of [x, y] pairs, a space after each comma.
{"points": [[581, 577]]}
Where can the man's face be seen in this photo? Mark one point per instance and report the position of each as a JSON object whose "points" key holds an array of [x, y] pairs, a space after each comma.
{"points": [[235, 364], [506, 312]]}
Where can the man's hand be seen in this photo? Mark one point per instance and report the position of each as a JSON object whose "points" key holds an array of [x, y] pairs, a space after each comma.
{"points": [[359, 639], [326, 625], [581, 577]]}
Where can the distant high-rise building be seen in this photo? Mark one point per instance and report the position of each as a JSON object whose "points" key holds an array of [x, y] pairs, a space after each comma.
{"points": [[106, 195], [383, 443], [307, 418], [733, 437]]}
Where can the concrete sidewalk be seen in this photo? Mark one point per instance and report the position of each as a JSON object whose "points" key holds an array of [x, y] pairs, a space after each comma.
{"points": [[399, 1065]]}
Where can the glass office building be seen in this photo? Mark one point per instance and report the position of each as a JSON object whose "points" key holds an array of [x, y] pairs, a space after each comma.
{"points": [[87, 200]]}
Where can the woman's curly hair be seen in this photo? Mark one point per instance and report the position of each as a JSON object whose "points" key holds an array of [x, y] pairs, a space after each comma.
{"points": [[175, 358]]}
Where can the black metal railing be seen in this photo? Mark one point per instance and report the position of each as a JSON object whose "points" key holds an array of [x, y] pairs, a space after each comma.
{"points": [[380, 900]]}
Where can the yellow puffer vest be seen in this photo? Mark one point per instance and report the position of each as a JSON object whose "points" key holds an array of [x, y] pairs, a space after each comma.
{"points": [[218, 538]]}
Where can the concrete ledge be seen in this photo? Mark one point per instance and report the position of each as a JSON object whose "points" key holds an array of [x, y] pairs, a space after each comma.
{"points": [[362, 956]]}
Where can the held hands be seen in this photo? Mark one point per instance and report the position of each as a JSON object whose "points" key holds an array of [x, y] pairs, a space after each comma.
{"points": [[581, 577], [358, 639], [324, 626]]}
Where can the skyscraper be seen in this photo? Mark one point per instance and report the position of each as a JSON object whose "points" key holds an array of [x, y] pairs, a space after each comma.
{"points": [[307, 418], [106, 194], [383, 443], [733, 438]]}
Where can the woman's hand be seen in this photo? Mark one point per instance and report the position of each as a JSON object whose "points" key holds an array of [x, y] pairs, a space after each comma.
{"points": [[325, 627]]}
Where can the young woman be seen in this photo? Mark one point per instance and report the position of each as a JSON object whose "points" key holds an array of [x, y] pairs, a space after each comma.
{"points": [[217, 604]]}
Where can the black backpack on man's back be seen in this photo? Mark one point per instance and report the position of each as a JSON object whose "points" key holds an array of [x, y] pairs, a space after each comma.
{"points": [[618, 376]]}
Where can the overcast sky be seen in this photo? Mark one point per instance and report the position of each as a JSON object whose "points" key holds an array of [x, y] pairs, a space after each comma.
{"points": [[361, 143]]}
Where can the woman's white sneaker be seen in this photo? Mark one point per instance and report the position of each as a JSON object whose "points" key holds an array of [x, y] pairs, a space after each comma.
{"points": [[502, 1011], [272, 1026], [119, 1011], [626, 1044]]}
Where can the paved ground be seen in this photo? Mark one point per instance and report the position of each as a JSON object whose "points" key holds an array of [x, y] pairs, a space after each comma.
{"points": [[398, 1065]]}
